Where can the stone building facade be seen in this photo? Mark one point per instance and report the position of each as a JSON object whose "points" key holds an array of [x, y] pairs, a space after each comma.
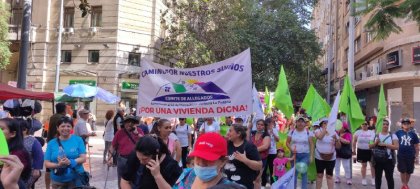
{"points": [[104, 48], [393, 62]]}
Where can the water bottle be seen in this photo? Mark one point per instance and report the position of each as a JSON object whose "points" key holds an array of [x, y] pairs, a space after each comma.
{"points": [[61, 153], [61, 170]]}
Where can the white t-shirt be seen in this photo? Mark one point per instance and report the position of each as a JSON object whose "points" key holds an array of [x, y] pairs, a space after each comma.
{"points": [[326, 145], [388, 140], [300, 140], [82, 128], [109, 131], [214, 127], [363, 138], [273, 147], [182, 133]]}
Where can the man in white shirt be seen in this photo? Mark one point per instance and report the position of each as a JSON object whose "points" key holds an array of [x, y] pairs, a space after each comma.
{"points": [[82, 127], [210, 126]]}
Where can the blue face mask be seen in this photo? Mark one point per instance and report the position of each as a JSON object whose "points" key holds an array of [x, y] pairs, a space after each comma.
{"points": [[205, 173]]}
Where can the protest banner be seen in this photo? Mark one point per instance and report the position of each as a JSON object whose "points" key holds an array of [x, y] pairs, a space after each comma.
{"points": [[287, 181], [219, 89]]}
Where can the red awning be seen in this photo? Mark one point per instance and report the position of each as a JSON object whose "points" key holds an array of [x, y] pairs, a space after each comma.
{"points": [[8, 92]]}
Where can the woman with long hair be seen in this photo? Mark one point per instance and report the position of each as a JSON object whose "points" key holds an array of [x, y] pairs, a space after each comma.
{"points": [[108, 133], [163, 129], [35, 151], [261, 139], [65, 155], [344, 154], [150, 166], [14, 138], [272, 152]]}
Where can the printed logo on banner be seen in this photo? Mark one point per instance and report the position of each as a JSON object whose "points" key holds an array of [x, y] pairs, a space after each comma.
{"points": [[218, 89], [190, 91]]}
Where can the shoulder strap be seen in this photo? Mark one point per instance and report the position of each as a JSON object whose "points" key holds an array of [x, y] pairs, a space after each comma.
{"points": [[386, 138], [129, 136], [59, 142]]}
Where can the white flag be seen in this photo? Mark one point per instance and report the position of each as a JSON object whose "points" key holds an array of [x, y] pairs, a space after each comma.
{"points": [[256, 104], [287, 181], [333, 115]]}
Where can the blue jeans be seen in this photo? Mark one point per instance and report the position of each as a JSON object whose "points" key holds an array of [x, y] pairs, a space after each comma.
{"points": [[302, 157]]}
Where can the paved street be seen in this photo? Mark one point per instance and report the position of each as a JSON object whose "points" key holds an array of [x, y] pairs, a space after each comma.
{"points": [[99, 172]]}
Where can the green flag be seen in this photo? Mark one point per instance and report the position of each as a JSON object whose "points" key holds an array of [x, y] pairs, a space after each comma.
{"points": [[382, 112], [4, 147], [315, 105], [326, 106], [350, 106], [267, 100], [282, 98]]}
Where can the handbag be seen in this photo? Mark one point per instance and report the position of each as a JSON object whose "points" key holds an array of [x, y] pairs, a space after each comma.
{"points": [[326, 157], [380, 153]]}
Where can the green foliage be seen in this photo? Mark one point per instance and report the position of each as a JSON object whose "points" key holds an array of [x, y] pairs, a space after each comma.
{"points": [[4, 34], [384, 12], [206, 31]]}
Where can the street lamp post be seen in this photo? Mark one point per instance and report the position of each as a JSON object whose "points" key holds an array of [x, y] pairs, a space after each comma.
{"points": [[24, 44], [60, 31]]}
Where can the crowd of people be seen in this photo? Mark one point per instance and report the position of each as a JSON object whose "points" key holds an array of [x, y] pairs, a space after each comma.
{"points": [[232, 152]]}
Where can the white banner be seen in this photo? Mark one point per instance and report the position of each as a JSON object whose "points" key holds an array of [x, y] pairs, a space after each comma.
{"points": [[287, 181], [332, 119], [220, 89]]}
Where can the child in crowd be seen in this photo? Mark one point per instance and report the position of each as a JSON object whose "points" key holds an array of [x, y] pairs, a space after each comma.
{"points": [[279, 164]]}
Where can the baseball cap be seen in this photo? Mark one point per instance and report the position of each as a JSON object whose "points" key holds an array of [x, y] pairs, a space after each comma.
{"points": [[406, 120], [300, 118], [84, 111], [316, 123], [238, 119], [210, 146], [322, 120]]}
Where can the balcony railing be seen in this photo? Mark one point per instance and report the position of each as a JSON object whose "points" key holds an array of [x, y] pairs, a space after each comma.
{"points": [[14, 32]]}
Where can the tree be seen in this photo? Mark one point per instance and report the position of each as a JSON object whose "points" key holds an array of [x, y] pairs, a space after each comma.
{"points": [[384, 12], [205, 31], [4, 35]]}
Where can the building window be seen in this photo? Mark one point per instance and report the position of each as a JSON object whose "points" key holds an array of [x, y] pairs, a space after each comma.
{"points": [[347, 28], [69, 17], [356, 20], [357, 45], [134, 59], [96, 17], [346, 55], [93, 56], [369, 37], [65, 56]]}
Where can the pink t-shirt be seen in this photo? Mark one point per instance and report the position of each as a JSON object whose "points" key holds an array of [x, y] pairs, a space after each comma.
{"points": [[346, 136], [280, 166]]}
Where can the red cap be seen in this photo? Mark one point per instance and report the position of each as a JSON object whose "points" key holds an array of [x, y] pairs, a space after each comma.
{"points": [[210, 146]]}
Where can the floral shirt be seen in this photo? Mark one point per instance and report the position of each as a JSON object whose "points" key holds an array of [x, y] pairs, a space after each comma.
{"points": [[187, 178]]}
